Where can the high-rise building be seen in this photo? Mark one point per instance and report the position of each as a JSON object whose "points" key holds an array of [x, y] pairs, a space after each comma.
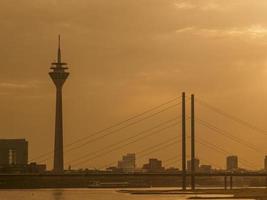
{"points": [[232, 163], [59, 76], [153, 165], [196, 164], [265, 163], [13, 152], [127, 164]]}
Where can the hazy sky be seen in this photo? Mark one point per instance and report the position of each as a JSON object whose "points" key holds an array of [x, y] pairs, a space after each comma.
{"points": [[126, 56]]}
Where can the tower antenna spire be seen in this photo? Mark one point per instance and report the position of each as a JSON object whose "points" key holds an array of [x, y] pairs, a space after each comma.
{"points": [[59, 51]]}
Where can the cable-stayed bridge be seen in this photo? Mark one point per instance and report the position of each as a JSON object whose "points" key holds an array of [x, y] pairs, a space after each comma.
{"points": [[178, 125]]}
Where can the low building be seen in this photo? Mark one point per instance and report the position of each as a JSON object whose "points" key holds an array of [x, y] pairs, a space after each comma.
{"points": [[153, 165], [114, 169], [23, 169], [205, 168], [172, 170], [35, 168]]}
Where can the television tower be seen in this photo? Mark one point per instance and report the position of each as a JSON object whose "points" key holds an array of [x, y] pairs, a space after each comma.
{"points": [[59, 76]]}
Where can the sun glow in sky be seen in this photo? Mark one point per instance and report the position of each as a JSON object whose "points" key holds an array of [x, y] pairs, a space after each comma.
{"points": [[128, 56]]}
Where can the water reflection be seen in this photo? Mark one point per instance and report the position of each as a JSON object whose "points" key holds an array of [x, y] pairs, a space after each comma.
{"points": [[58, 195], [101, 194]]}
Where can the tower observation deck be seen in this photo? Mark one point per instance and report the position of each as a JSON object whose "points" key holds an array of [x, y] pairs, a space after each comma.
{"points": [[59, 76]]}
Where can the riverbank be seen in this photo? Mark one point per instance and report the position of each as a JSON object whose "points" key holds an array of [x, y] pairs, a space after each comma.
{"points": [[244, 193]]}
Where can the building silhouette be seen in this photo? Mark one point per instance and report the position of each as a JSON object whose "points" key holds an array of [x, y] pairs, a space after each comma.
{"points": [[196, 163], [153, 165], [205, 168], [59, 76], [14, 158], [265, 163], [232, 163], [127, 164], [13, 152]]}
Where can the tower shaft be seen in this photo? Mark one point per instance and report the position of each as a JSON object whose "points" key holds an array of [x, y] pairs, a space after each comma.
{"points": [[58, 146]]}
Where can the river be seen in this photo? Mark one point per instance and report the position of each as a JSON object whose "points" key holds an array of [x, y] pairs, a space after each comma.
{"points": [[85, 194]]}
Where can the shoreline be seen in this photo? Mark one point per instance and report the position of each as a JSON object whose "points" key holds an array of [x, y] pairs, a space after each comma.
{"points": [[242, 193]]}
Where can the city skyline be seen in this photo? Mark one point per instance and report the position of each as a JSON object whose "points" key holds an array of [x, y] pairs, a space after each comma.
{"points": [[121, 69]]}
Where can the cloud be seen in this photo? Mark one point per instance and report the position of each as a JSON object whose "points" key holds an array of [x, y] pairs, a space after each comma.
{"points": [[13, 85], [184, 5], [200, 5], [186, 29], [251, 32]]}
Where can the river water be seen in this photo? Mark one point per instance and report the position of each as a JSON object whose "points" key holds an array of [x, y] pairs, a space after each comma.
{"points": [[85, 194]]}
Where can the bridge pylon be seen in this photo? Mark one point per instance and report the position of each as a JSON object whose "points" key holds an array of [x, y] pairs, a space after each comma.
{"points": [[183, 142]]}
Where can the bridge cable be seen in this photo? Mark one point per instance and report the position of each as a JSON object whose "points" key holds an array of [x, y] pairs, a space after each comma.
{"points": [[154, 132], [142, 153], [228, 135], [233, 118], [126, 139], [115, 125], [224, 152]]}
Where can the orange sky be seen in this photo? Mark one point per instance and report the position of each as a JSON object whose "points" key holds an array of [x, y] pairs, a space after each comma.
{"points": [[126, 57]]}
